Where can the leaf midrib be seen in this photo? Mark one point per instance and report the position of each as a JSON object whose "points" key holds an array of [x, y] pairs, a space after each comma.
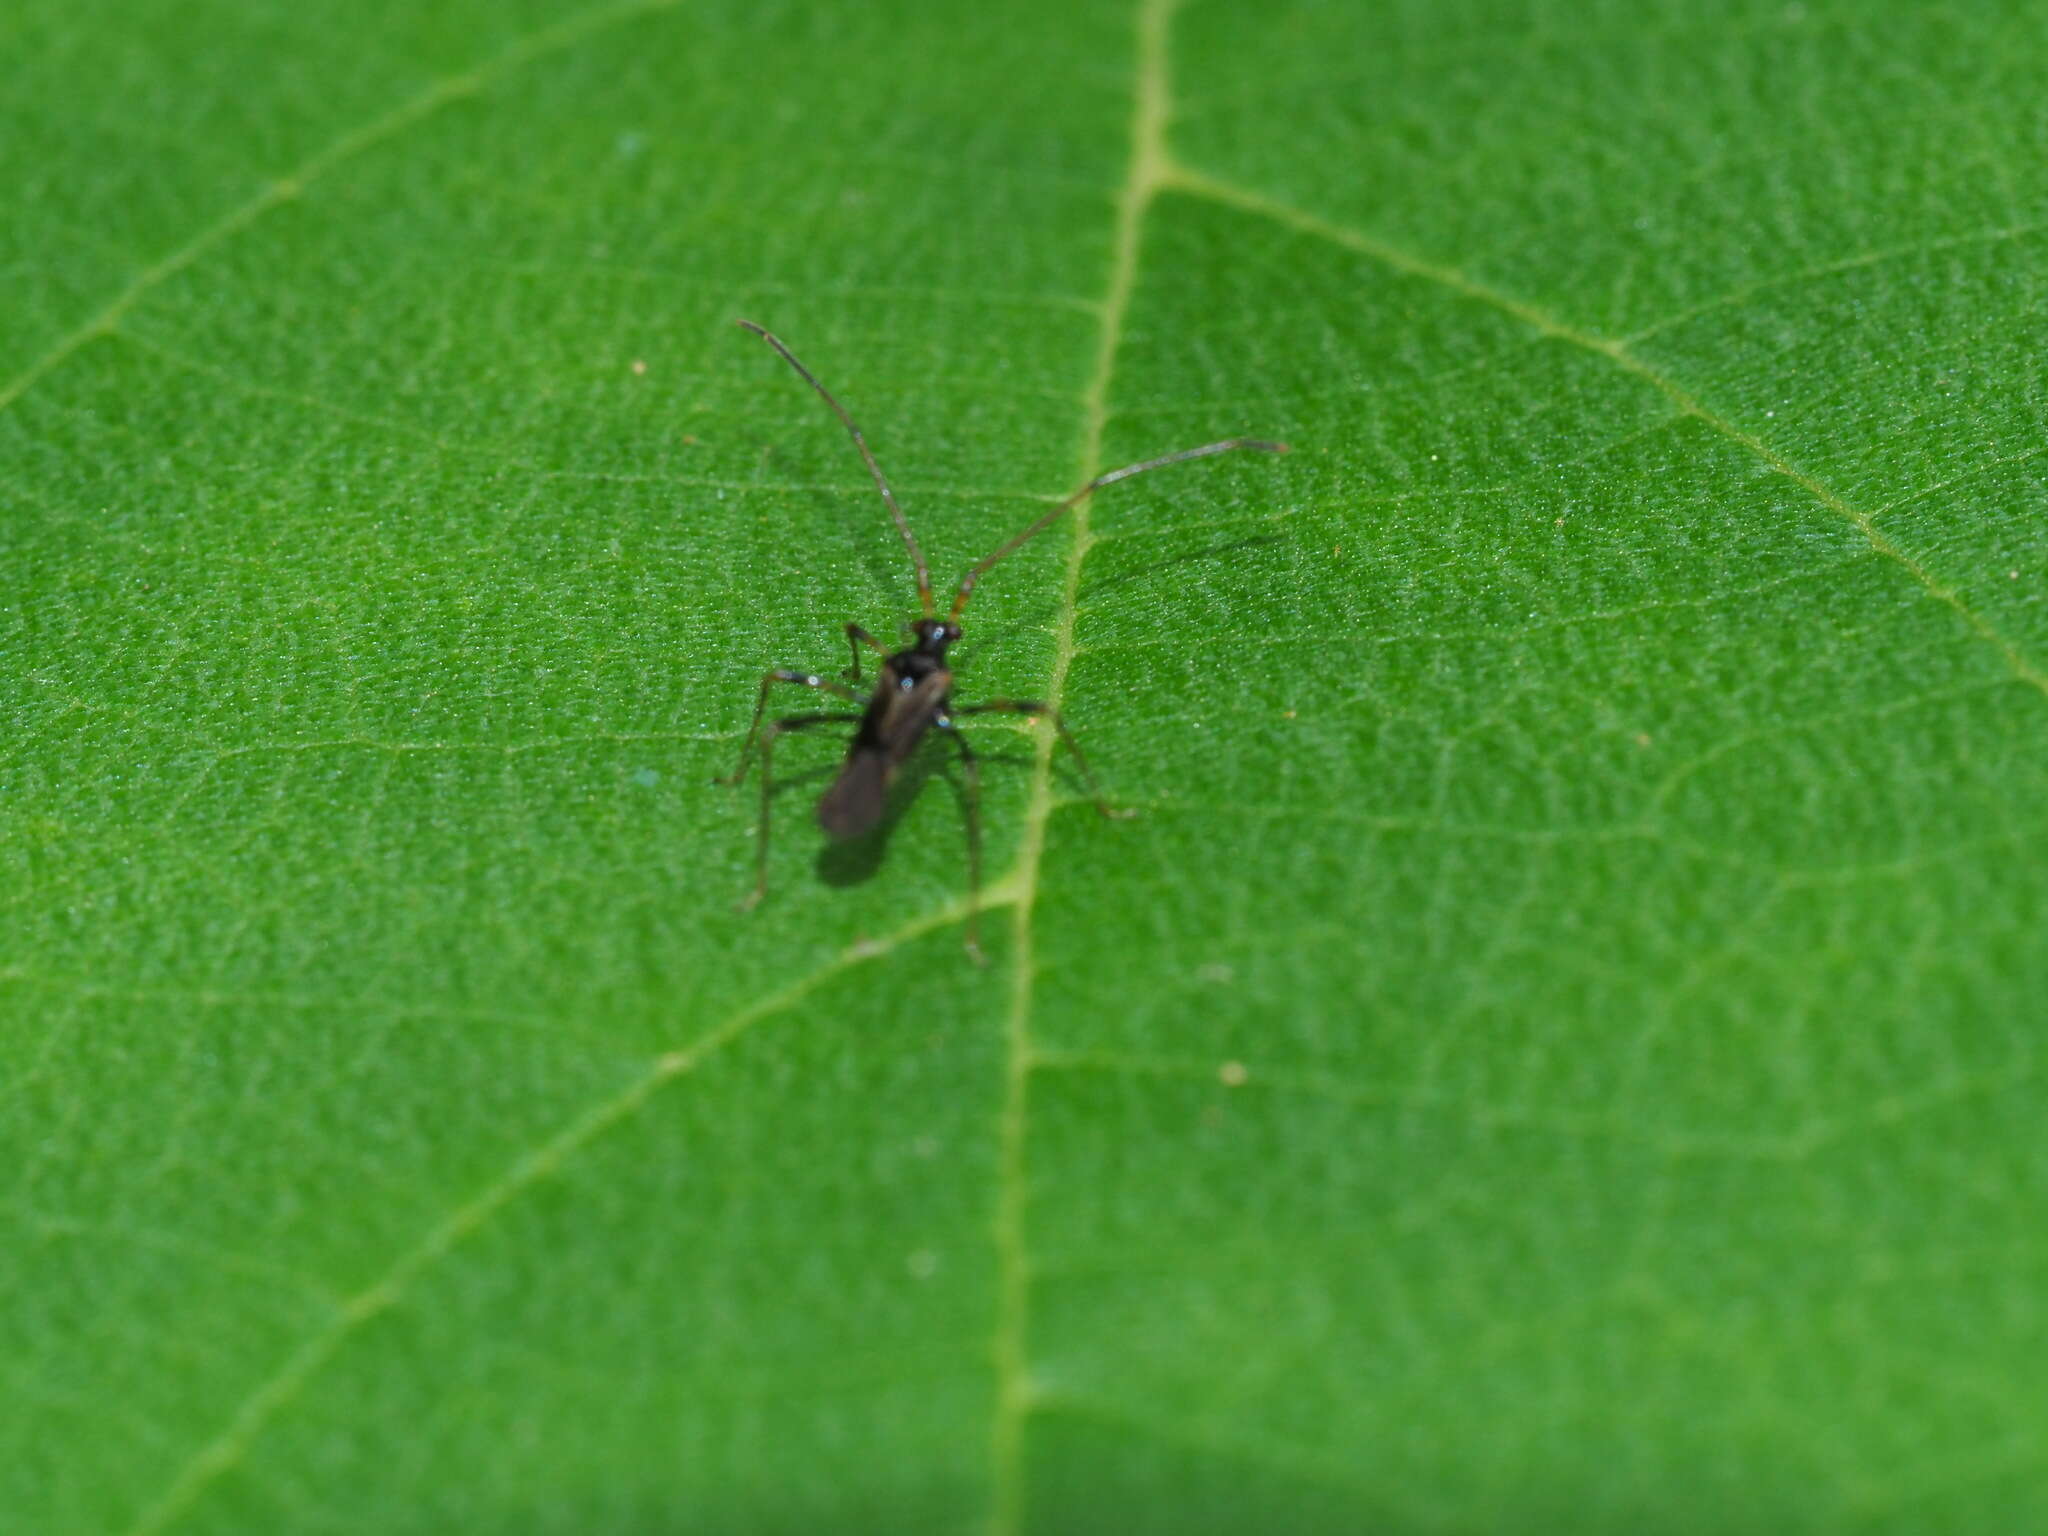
{"points": [[1146, 171]]}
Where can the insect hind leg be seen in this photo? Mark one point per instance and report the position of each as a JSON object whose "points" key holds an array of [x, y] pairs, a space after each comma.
{"points": [[776, 728], [970, 798]]}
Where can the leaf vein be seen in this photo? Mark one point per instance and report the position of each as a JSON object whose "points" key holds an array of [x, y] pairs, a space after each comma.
{"points": [[1200, 184], [261, 1407], [338, 151]]}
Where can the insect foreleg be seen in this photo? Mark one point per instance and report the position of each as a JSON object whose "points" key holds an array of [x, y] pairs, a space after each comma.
{"points": [[856, 637]]}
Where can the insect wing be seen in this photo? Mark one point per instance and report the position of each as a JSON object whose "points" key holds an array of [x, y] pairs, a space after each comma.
{"points": [[909, 714], [896, 722], [854, 802]]}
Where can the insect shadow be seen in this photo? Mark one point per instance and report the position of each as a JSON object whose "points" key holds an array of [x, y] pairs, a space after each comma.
{"points": [[853, 861], [913, 687]]}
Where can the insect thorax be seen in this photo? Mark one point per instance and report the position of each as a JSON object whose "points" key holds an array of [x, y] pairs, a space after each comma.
{"points": [[914, 666]]}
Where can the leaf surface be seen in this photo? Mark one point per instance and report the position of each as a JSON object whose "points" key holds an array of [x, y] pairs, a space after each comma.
{"points": [[1556, 1048]]}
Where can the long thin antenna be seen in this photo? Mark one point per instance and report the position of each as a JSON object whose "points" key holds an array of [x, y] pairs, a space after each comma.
{"points": [[924, 575], [976, 572]]}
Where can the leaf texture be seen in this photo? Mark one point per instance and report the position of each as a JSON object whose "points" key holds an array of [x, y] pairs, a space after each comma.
{"points": [[1557, 1047]]}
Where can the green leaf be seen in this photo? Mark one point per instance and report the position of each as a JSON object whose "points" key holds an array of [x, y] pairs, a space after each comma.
{"points": [[1557, 1050]]}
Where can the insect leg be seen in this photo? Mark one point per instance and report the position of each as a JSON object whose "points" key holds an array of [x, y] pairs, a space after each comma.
{"points": [[856, 637], [769, 680], [775, 729], [1034, 707], [972, 769]]}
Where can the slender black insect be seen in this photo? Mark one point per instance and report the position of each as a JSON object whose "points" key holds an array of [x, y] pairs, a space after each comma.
{"points": [[914, 687]]}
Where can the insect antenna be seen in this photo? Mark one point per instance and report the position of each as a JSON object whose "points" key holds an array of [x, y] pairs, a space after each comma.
{"points": [[924, 575], [980, 568]]}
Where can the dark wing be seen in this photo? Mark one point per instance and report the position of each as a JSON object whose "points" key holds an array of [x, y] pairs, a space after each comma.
{"points": [[896, 721]]}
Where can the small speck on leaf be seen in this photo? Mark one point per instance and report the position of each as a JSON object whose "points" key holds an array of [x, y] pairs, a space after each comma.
{"points": [[1232, 1074]]}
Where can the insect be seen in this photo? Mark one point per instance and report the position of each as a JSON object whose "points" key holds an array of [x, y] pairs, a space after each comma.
{"points": [[913, 691]]}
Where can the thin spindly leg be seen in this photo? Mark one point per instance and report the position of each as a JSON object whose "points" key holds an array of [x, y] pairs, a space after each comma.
{"points": [[972, 770], [1034, 707], [775, 729], [769, 680], [856, 637]]}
